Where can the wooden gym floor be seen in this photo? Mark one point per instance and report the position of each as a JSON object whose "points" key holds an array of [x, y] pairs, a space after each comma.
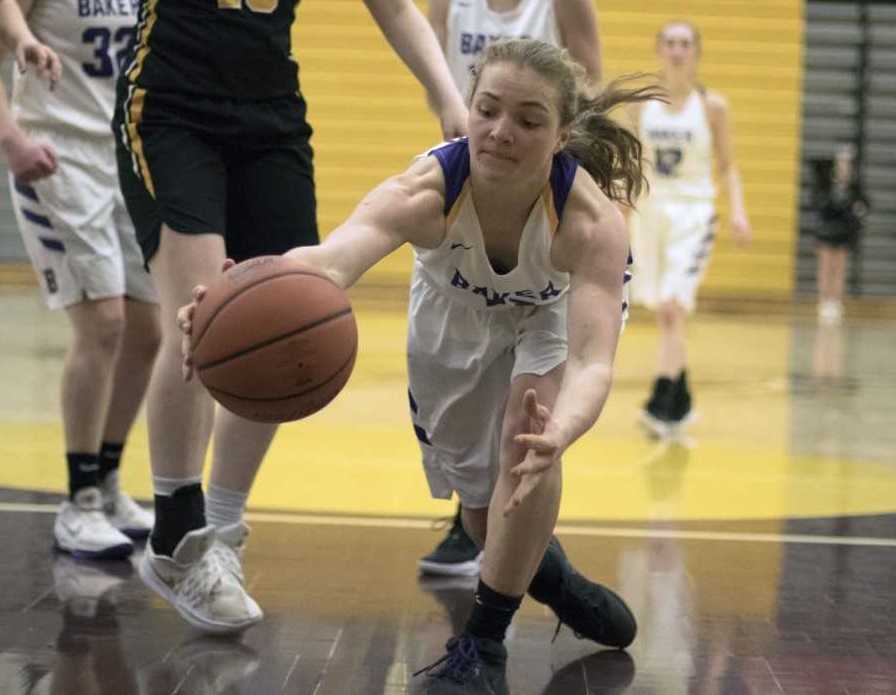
{"points": [[758, 552]]}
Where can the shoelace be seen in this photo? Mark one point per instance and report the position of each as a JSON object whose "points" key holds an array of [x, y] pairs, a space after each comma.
{"points": [[202, 582], [459, 664], [228, 558]]}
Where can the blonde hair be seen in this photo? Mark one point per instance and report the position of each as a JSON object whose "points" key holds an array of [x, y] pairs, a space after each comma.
{"points": [[609, 152]]}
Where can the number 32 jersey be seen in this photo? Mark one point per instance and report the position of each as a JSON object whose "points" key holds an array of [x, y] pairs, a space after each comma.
{"points": [[679, 147], [94, 39]]}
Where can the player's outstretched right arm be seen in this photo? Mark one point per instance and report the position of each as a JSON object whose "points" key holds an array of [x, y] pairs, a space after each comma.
{"points": [[404, 208]]}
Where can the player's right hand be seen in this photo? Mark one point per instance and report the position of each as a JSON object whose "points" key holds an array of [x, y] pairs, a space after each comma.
{"points": [[185, 324], [32, 53], [29, 161]]}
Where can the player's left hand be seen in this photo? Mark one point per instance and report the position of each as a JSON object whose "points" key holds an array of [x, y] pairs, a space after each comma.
{"points": [[32, 53], [544, 448], [740, 228]]}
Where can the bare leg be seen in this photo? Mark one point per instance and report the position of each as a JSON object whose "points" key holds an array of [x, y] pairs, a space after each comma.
{"points": [[98, 327], [240, 446], [142, 335], [179, 414], [837, 274], [823, 272], [515, 544], [671, 320]]}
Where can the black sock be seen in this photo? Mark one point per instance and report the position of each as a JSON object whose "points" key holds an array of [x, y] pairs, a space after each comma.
{"points": [[176, 515], [492, 613], [82, 472], [110, 458]]}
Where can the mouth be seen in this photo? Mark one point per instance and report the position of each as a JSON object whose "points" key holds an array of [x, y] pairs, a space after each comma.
{"points": [[498, 156]]}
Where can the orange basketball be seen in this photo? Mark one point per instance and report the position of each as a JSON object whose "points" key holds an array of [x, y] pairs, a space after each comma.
{"points": [[273, 340]]}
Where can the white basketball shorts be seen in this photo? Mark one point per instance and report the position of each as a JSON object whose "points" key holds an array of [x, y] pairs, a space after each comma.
{"points": [[76, 228], [671, 245], [461, 362]]}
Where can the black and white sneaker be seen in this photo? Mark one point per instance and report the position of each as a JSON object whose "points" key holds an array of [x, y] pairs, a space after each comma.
{"points": [[681, 411], [656, 417], [457, 555], [83, 530]]}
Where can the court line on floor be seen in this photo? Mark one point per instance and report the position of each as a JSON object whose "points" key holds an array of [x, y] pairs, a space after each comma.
{"points": [[562, 528]]}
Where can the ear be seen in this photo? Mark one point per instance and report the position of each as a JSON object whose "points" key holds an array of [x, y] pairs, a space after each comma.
{"points": [[562, 139]]}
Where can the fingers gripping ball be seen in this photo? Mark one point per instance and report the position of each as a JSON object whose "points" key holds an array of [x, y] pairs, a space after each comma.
{"points": [[273, 341]]}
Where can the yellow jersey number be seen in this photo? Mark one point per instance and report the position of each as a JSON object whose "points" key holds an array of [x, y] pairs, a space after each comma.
{"points": [[265, 6]]}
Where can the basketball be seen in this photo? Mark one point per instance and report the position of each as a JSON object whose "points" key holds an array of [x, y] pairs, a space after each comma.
{"points": [[274, 341]]}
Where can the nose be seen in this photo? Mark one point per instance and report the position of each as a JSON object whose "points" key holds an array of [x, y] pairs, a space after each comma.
{"points": [[501, 131]]}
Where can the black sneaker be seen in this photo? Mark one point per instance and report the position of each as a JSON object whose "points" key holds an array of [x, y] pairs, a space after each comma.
{"points": [[457, 555], [680, 412], [587, 608], [657, 413], [472, 666]]}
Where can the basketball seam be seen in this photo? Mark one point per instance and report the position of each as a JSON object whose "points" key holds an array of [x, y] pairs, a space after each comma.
{"points": [[271, 341], [351, 357], [246, 288]]}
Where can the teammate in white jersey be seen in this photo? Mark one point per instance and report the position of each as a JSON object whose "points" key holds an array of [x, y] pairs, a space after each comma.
{"points": [[516, 307], [465, 28], [674, 227], [83, 247]]}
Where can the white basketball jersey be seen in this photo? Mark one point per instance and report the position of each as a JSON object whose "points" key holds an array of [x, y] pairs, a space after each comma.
{"points": [[472, 25], [93, 39], [460, 268], [679, 147]]}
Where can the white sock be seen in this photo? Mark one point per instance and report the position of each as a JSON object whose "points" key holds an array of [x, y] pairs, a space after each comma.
{"points": [[223, 506], [167, 486]]}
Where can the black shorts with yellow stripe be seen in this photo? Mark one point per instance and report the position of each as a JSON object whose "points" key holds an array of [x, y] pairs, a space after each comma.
{"points": [[239, 168]]}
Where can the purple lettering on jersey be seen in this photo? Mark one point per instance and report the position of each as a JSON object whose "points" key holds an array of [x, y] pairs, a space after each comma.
{"points": [[494, 298], [549, 291], [108, 8], [466, 40], [459, 280]]}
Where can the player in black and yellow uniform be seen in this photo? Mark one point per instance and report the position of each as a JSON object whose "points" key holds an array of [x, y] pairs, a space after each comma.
{"points": [[215, 162]]}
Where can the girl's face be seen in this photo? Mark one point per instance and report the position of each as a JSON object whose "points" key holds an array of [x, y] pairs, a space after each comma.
{"points": [[677, 48], [514, 123], [843, 165]]}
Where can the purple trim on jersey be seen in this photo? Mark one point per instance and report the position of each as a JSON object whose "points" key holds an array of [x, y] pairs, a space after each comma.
{"points": [[25, 190], [36, 219], [52, 244], [563, 173], [454, 157]]}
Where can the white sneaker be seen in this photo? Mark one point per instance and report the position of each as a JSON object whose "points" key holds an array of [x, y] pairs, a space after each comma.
{"points": [[82, 529], [830, 313], [228, 548], [127, 516], [199, 585]]}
